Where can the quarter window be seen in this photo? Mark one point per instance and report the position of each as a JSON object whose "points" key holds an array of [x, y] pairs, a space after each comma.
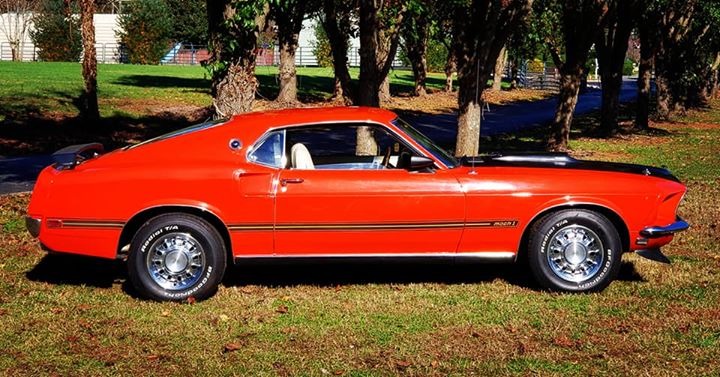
{"points": [[270, 150]]}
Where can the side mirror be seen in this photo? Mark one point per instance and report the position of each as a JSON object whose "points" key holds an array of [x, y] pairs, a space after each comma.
{"points": [[420, 163]]}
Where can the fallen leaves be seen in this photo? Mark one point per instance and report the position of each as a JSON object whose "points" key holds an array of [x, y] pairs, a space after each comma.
{"points": [[232, 347], [402, 364]]}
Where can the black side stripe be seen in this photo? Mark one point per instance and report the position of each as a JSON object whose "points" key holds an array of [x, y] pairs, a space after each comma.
{"points": [[90, 223], [380, 226]]}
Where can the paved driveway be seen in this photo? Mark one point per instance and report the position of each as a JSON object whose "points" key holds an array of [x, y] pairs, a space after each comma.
{"points": [[514, 117]]}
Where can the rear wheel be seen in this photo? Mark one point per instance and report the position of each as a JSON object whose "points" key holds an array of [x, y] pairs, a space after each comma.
{"points": [[176, 256], [574, 251]]}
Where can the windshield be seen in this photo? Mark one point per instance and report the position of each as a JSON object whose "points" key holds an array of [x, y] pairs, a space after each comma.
{"points": [[423, 140], [183, 131]]}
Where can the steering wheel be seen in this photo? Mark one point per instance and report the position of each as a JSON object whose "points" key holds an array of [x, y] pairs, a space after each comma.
{"points": [[386, 159]]}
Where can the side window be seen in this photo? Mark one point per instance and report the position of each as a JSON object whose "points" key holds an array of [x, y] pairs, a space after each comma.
{"points": [[334, 147], [270, 150]]}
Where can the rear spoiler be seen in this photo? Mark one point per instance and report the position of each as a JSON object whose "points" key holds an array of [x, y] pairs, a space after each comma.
{"points": [[69, 157]]}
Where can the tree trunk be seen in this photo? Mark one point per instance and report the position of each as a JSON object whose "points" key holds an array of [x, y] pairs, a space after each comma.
{"points": [[337, 27], [233, 82], [714, 78], [289, 16], [416, 43], [709, 82], [378, 46], [514, 73], [338, 90], [647, 55], [418, 61], [384, 92], [610, 103], [366, 145], [567, 99], [469, 106], [15, 51], [662, 88], [468, 139], [611, 47], [288, 74], [482, 30], [235, 92], [499, 68], [89, 64], [450, 67]]}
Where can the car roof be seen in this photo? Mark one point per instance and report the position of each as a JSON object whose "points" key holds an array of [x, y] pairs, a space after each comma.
{"points": [[263, 120]]}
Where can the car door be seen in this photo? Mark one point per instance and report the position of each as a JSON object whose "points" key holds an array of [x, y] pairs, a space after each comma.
{"points": [[362, 205]]}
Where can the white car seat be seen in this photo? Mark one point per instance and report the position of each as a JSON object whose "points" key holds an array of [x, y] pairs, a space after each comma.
{"points": [[300, 157]]}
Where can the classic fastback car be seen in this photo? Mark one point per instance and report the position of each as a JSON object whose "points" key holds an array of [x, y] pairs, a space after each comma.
{"points": [[296, 184]]}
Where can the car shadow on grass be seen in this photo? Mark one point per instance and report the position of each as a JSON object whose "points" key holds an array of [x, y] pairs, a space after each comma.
{"points": [[60, 269], [332, 273]]}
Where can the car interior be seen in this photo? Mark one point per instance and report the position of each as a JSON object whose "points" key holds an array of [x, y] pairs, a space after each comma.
{"points": [[332, 147], [325, 147]]}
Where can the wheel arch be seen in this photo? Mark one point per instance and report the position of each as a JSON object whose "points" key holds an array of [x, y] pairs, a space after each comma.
{"points": [[133, 225], [609, 213]]}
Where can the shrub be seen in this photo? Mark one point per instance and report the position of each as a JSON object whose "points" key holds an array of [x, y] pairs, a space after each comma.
{"points": [[436, 56], [628, 68], [321, 46], [146, 29], [189, 21], [57, 32]]}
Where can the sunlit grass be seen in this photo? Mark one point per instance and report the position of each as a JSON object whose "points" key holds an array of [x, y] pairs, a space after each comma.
{"points": [[74, 316]]}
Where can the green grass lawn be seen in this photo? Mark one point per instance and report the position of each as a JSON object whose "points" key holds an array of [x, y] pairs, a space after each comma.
{"points": [[42, 87], [73, 316]]}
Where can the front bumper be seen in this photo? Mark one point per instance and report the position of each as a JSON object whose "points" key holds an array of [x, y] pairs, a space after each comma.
{"points": [[33, 225], [661, 231]]}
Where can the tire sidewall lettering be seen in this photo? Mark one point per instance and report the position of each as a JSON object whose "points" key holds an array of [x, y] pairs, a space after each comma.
{"points": [[601, 275], [157, 233], [543, 239], [550, 233], [194, 289]]}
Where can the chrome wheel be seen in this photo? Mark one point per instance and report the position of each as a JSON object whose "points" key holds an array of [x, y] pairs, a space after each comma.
{"points": [[575, 253], [176, 261]]}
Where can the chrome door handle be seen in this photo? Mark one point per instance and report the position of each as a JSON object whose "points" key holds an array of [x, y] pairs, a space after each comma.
{"points": [[285, 181]]}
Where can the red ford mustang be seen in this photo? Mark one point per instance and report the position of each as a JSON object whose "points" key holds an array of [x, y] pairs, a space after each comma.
{"points": [[295, 184]]}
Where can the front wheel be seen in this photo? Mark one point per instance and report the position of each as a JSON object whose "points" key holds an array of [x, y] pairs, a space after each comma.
{"points": [[176, 256], [574, 251]]}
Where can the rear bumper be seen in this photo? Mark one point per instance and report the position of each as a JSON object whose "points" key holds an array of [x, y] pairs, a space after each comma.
{"points": [[33, 225], [661, 231]]}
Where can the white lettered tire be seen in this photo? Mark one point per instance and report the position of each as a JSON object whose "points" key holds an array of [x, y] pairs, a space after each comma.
{"points": [[176, 256], [574, 250]]}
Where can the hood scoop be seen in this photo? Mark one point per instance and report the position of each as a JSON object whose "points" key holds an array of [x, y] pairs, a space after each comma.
{"points": [[69, 157]]}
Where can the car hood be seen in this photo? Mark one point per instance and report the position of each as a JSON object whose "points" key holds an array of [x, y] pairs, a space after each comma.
{"points": [[559, 160]]}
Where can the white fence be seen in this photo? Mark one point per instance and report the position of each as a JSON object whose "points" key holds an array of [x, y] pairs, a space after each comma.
{"points": [[106, 52]]}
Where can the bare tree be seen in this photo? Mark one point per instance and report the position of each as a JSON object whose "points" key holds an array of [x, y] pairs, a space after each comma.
{"points": [[15, 19]]}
